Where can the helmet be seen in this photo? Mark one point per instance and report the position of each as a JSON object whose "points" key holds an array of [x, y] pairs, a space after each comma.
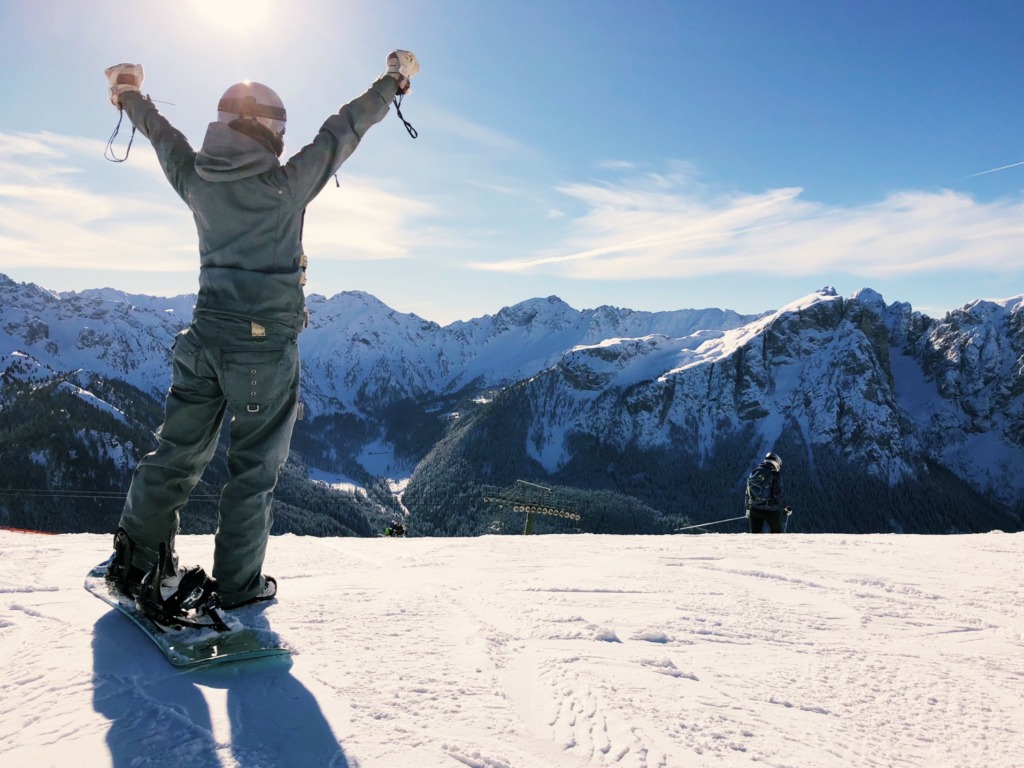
{"points": [[774, 460], [253, 101]]}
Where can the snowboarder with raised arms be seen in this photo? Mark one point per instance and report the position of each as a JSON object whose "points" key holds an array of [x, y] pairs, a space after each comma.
{"points": [[241, 349]]}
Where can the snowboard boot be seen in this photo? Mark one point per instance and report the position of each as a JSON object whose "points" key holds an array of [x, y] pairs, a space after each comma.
{"points": [[122, 576], [269, 592]]}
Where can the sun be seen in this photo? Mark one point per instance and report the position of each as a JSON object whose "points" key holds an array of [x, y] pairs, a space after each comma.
{"points": [[235, 16]]}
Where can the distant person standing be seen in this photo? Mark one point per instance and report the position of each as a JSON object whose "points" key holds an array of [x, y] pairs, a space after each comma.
{"points": [[764, 499]]}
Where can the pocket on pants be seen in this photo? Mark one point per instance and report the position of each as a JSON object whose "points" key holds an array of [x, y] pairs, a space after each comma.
{"points": [[191, 370], [256, 380]]}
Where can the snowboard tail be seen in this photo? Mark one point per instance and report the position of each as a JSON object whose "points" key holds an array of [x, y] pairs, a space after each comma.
{"points": [[187, 647]]}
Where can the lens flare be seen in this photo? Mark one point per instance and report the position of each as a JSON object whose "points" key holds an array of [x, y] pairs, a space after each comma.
{"points": [[239, 17]]}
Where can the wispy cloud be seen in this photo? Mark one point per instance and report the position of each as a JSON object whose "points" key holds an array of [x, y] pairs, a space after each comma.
{"points": [[359, 220], [51, 218], [524, 192], [664, 227], [475, 134], [59, 209], [617, 165]]}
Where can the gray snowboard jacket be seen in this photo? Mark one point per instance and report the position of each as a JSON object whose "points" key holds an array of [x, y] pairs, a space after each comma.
{"points": [[249, 208]]}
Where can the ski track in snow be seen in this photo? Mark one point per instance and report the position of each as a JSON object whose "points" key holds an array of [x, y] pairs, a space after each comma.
{"points": [[546, 652]]}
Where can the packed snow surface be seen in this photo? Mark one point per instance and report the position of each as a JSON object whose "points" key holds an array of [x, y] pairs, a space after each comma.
{"points": [[541, 652]]}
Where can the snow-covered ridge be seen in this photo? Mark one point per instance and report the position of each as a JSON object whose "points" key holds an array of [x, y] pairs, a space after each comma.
{"points": [[359, 353], [883, 386], [356, 350], [880, 384]]}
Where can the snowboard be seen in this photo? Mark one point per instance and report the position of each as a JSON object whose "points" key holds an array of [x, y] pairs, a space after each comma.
{"points": [[191, 648]]}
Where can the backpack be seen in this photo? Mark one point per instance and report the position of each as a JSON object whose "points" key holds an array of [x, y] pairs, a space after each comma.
{"points": [[759, 487]]}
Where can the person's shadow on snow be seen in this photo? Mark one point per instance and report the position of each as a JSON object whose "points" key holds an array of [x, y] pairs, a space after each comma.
{"points": [[159, 715]]}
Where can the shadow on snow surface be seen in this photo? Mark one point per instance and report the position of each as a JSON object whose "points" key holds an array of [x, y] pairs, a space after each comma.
{"points": [[160, 716]]}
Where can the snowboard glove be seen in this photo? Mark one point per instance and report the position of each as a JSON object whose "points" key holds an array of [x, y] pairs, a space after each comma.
{"points": [[402, 65], [123, 78]]}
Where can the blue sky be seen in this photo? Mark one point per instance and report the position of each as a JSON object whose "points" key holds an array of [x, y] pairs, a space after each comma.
{"points": [[650, 155]]}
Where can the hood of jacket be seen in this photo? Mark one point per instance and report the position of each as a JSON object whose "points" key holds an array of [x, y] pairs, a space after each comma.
{"points": [[228, 155]]}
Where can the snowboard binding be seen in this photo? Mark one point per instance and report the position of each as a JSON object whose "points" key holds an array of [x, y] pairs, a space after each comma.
{"points": [[123, 577], [191, 603]]}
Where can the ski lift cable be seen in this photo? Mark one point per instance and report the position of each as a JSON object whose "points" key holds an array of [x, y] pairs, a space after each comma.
{"points": [[717, 522], [83, 494]]}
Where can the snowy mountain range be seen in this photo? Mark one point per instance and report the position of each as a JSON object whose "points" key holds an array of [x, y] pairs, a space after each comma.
{"points": [[876, 392], [882, 385], [359, 354]]}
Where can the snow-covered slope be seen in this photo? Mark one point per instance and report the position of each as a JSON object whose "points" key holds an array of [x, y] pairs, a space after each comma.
{"points": [[876, 385], [361, 355], [541, 652], [881, 386], [113, 334], [966, 401], [358, 354]]}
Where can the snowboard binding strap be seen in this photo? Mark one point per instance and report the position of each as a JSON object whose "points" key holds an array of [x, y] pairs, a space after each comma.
{"points": [[194, 599]]}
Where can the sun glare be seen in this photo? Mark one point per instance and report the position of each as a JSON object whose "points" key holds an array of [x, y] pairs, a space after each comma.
{"points": [[234, 16]]}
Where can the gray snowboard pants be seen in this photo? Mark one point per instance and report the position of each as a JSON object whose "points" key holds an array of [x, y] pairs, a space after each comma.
{"points": [[220, 363]]}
